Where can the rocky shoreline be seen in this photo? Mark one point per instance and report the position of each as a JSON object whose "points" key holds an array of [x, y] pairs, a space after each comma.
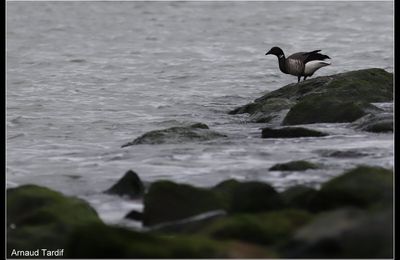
{"points": [[349, 216]]}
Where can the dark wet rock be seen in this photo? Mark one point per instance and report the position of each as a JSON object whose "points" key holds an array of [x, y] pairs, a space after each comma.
{"points": [[129, 185], [299, 197], [344, 233], [327, 109], [261, 228], [362, 187], [102, 241], [294, 166], [38, 217], [342, 97], [290, 132], [342, 154], [377, 123], [135, 215], [167, 201], [249, 196], [178, 134]]}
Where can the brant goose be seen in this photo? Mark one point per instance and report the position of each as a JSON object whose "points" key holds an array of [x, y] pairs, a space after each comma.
{"points": [[301, 63]]}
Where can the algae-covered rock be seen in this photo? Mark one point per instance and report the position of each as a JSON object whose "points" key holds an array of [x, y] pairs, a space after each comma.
{"points": [[38, 217], [327, 109], [344, 233], [377, 123], [249, 196], [363, 187], [178, 134], [294, 166], [168, 201], [342, 97], [129, 185], [299, 197], [260, 228], [290, 132], [101, 241]]}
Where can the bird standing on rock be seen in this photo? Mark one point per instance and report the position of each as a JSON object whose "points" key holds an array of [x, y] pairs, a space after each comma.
{"points": [[300, 64]]}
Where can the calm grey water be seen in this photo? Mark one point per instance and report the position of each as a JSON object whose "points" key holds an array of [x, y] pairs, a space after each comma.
{"points": [[83, 78]]}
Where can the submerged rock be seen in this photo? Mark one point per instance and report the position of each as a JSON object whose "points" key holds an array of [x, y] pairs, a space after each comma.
{"points": [[294, 166], [342, 97], [344, 233], [290, 132], [38, 217], [129, 185], [377, 123], [178, 134]]}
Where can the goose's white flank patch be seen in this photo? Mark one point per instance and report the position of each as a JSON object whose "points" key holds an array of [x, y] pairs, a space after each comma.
{"points": [[312, 66]]}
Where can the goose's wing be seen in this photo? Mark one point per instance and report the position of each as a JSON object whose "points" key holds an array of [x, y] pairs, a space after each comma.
{"points": [[314, 55]]}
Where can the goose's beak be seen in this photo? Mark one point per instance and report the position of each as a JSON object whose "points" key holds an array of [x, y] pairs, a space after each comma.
{"points": [[267, 53]]}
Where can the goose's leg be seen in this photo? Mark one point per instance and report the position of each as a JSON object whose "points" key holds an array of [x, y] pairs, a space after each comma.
{"points": [[298, 79], [304, 78]]}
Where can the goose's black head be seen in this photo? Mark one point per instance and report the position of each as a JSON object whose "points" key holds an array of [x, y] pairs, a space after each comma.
{"points": [[275, 51]]}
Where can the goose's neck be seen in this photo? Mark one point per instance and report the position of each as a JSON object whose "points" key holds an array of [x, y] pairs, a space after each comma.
{"points": [[281, 61]]}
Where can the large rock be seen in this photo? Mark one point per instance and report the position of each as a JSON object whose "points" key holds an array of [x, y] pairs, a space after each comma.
{"points": [[178, 134], [167, 201], [344, 233], [299, 197], [101, 241], [260, 228], [343, 97], [251, 196], [129, 185], [38, 217], [362, 187]]}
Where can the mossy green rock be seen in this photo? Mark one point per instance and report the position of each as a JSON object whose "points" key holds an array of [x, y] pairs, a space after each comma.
{"points": [[327, 109], [38, 217], [342, 97], [178, 134], [344, 233], [294, 166], [168, 201], [362, 187], [249, 196], [129, 185], [101, 241], [260, 228], [299, 197]]}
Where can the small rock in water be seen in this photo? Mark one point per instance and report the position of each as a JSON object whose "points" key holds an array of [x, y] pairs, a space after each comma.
{"points": [[294, 166], [129, 185], [178, 134], [377, 123], [290, 132]]}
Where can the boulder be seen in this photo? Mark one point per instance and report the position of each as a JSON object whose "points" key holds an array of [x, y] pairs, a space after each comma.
{"points": [[129, 185], [344, 233], [251, 196], [38, 217], [294, 166], [167, 201], [362, 187], [179, 134], [261, 228], [299, 197], [342, 97], [290, 132]]}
